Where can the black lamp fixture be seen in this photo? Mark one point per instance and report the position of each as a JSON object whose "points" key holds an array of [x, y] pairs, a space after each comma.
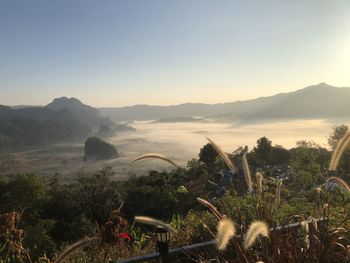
{"points": [[163, 237]]}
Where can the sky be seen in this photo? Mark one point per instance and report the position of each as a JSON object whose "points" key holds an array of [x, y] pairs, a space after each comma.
{"points": [[162, 52]]}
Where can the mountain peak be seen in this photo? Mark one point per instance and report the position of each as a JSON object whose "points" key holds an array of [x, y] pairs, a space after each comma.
{"points": [[323, 84], [86, 113], [66, 100]]}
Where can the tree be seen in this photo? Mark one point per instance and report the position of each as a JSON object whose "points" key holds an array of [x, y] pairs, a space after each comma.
{"points": [[263, 151], [208, 155], [280, 155], [333, 140], [97, 195], [308, 171], [338, 132]]}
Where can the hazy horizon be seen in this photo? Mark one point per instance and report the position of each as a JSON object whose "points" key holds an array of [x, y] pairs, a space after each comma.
{"points": [[121, 53], [185, 102]]}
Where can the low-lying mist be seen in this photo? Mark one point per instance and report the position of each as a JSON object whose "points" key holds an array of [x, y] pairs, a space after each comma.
{"points": [[178, 141]]}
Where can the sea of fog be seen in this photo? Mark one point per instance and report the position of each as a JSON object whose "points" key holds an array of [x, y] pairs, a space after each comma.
{"points": [[178, 141], [182, 141]]}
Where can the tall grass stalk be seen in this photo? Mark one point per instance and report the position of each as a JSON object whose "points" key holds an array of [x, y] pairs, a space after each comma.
{"points": [[154, 222], [73, 248], [223, 156], [340, 182], [338, 152], [211, 207], [278, 193], [259, 182], [246, 170], [156, 156]]}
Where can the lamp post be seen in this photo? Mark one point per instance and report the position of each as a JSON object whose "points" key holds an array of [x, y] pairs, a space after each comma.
{"points": [[163, 237]]}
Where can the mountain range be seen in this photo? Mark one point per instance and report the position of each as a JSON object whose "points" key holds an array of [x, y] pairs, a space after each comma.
{"points": [[63, 120], [316, 101], [68, 119]]}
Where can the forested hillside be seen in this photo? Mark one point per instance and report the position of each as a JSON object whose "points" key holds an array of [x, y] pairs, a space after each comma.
{"points": [[38, 126]]}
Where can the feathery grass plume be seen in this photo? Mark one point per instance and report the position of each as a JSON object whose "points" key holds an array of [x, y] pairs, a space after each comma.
{"points": [[226, 230], [259, 180], [338, 152], [157, 156], [305, 225], [211, 207], [278, 193], [255, 229], [339, 182], [223, 155], [154, 222], [248, 178], [72, 248], [318, 190]]}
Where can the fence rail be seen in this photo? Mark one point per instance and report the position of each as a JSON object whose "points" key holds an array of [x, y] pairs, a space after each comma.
{"points": [[210, 244]]}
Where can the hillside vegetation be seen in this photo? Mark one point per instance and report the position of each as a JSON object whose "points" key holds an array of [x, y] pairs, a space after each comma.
{"points": [[40, 216], [37, 126]]}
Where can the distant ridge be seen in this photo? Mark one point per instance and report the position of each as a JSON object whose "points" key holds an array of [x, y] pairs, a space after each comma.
{"points": [[316, 101], [37, 126], [87, 114]]}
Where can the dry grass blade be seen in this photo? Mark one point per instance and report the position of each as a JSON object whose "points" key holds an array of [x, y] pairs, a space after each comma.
{"points": [[226, 230], [154, 222], [157, 156], [246, 170], [338, 152], [223, 155], [259, 180], [314, 223], [278, 193], [255, 229], [340, 182], [72, 248], [211, 207]]}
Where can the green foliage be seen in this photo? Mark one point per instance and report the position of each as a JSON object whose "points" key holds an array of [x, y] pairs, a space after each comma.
{"points": [[263, 151], [338, 132], [55, 214], [280, 156], [208, 155], [24, 192]]}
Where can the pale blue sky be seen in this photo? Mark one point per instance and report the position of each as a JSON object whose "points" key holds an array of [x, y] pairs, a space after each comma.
{"points": [[116, 53]]}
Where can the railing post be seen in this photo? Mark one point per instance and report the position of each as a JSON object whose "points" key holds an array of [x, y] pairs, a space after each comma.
{"points": [[163, 237]]}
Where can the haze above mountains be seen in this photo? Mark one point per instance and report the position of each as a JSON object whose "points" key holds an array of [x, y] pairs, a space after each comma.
{"points": [[68, 119], [317, 101]]}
